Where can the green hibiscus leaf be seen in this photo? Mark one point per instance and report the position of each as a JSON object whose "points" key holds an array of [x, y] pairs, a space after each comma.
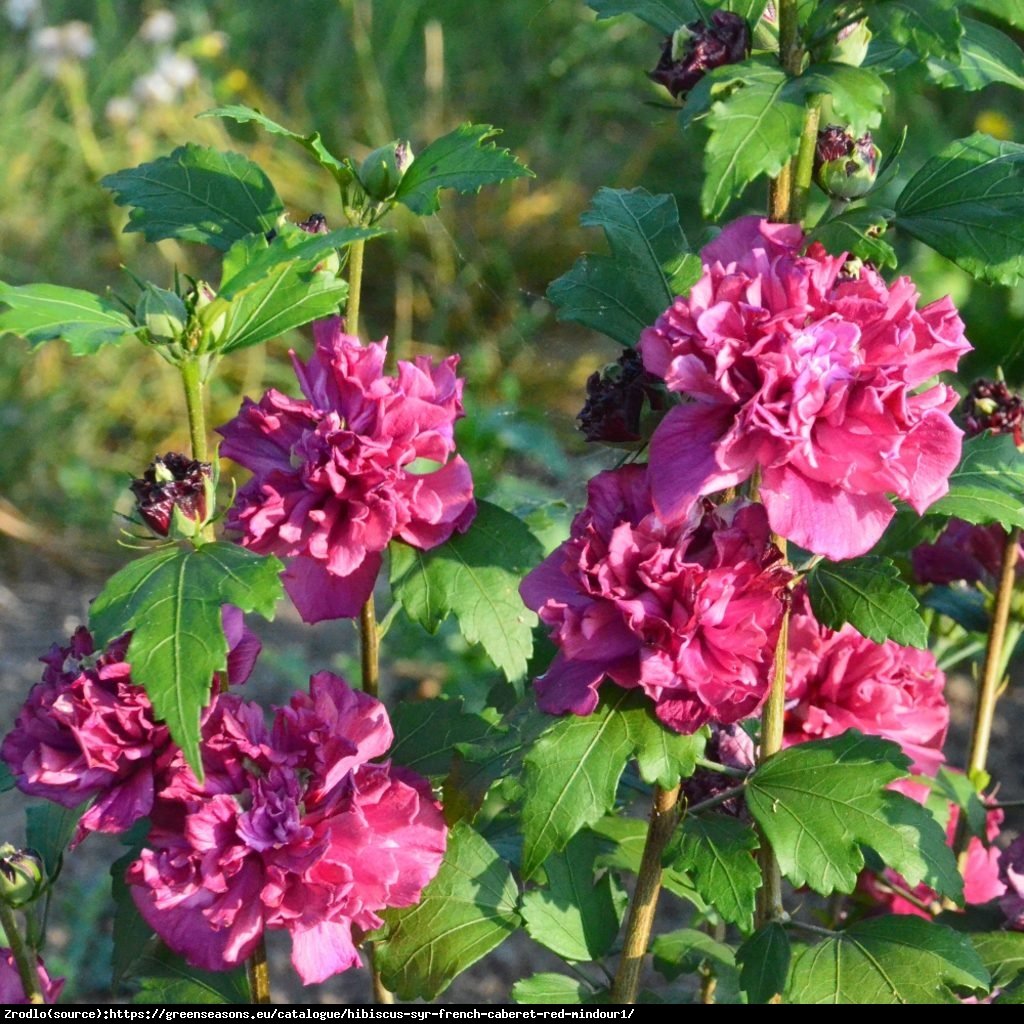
{"points": [[341, 170], [551, 988], [427, 732], [924, 27], [858, 94], [858, 232], [197, 195], [717, 852], [476, 575], [649, 265], [573, 915], [463, 160], [171, 601], [664, 15], [687, 950], [967, 203], [867, 593], [48, 830], [572, 774], [819, 803], [755, 130], [167, 979], [1002, 953], [42, 312], [887, 960], [1009, 11], [764, 960], [466, 911], [988, 485], [664, 757], [986, 56]]}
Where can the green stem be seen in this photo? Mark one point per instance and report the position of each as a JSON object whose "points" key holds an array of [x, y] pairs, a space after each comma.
{"points": [[369, 648], [191, 378], [23, 957], [769, 896], [719, 798], [355, 285], [664, 816], [259, 974], [803, 166]]}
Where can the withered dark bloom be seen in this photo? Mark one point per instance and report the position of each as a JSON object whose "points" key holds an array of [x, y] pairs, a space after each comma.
{"points": [[696, 48], [169, 481], [991, 405], [616, 399]]}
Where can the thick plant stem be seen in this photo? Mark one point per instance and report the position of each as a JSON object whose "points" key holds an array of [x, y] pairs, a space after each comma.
{"points": [[259, 975], [645, 897], [23, 957], [803, 166], [769, 896], [191, 378], [369, 648], [355, 285], [990, 683]]}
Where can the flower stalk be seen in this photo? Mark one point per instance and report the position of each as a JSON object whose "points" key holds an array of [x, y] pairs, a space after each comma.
{"points": [[355, 285], [990, 685], [191, 379], [642, 907], [23, 957], [259, 974]]}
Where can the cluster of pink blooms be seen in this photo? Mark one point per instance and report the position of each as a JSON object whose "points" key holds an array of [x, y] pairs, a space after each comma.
{"points": [[12, 991], [804, 368], [364, 458], [293, 827], [689, 613]]}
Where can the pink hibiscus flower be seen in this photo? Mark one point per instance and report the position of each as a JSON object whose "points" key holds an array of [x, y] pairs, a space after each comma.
{"points": [[689, 613], [839, 680], [801, 368], [292, 829], [12, 991], [362, 459]]}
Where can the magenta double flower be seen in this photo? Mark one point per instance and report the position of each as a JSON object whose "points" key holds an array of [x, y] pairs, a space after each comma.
{"points": [[689, 613], [804, 368], [364, 458]]}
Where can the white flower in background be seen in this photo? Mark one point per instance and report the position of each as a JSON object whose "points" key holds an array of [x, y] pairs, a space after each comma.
{"points": [[20, 13], [180, 71], [161, 86], [55, 45], [159, 28], [121, 111]]}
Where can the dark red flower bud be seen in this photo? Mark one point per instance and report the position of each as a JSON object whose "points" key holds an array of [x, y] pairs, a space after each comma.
{"points": [[844, 166], [991, 405], [315, 224], [695, 49], [174, 480], [616, 400]]}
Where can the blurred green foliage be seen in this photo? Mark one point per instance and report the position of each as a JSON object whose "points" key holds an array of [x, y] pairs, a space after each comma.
{"points": [[573, 99]]}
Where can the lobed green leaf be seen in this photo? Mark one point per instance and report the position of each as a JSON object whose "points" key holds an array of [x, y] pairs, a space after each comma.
{"points": [[466, 911], [887, 960], [967, 203], [171, 601], [43, 312], [476, 576], [988, 485], [197, 195], [818, 803], [858, 232], [868, 594], [986, 56], [764, 961], [924, 27], [462, 160]]}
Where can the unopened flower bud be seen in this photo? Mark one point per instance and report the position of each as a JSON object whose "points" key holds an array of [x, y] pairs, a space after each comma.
{"points": [[173, 481], [316, 224], [200, 297], [22, 877], [845, 167], [851, 45], [382, 171], [693, 50], [618, 399], [162, 313], [991, 405]]}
